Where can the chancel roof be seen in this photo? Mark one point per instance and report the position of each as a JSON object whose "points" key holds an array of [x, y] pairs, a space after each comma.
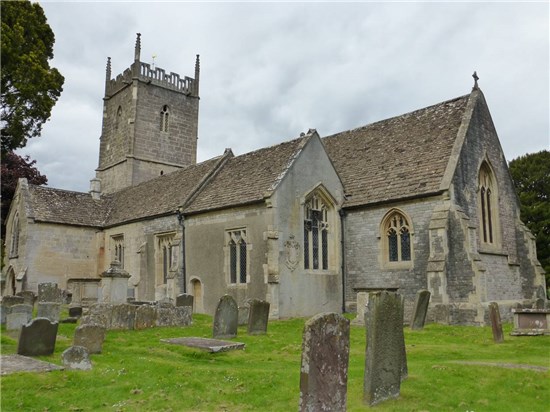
{"points": [[401, 157]]}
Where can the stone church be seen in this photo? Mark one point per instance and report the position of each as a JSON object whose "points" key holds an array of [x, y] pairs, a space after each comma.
{"points": [[423, 200]]}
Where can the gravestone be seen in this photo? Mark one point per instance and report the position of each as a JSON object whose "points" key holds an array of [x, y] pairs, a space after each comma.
{"points": [[225, 318], [184, 300], [244, 313], [76, 358], [90, 336], [75, 311], [48, 310], [123, 316], [384, 363], [7, 302], [18, 315], [324, 367], [49, 292], [165, 314], [258, 317], [37, 338], [100, 313], [420, 309], [146, 317], [28, 295], [496, 324], [183, 315]]}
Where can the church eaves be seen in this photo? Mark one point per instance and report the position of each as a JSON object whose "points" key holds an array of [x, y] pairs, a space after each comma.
{"points": [[398, 158]]}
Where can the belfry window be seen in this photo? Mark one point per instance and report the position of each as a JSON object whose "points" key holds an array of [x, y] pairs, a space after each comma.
{"points": [[237, 247], [396, 234], [487, 200], [316, 234], [164, 118]]}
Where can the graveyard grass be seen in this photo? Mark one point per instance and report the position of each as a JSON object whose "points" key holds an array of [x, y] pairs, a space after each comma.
{"points": [[137, 372]]}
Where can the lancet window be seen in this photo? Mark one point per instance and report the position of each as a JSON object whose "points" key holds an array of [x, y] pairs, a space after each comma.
{"points": [[316, 233], [237, 247]]}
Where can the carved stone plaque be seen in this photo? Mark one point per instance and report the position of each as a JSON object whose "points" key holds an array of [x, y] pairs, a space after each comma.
{"points": [[292, 251]]}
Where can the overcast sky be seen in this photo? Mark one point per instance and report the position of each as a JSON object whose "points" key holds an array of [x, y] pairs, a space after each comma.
{"points": [[272, 70]]}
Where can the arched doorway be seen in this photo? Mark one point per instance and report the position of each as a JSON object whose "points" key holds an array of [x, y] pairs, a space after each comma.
{"points": [[196, 287], [10, 288]]}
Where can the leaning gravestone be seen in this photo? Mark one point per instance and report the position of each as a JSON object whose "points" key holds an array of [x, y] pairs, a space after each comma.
{"points": [[76, 358], [7, 302], [18, 315], [49, 292], [225, 318], [496, 324], [90, 336], [184, 300], [258, 317], [37, 338], [48, 310], [384, 363], [324, 368], [420, 309]]}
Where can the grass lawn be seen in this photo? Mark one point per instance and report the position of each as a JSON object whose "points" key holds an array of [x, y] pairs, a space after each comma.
{"points": [[136, 372]]}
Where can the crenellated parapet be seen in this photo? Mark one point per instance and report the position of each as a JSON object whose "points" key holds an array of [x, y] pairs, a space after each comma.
{"points": [[151, 75]]}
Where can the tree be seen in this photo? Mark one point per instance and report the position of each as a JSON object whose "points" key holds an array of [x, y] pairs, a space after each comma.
{"points": [[531, 175], [29, 86]]}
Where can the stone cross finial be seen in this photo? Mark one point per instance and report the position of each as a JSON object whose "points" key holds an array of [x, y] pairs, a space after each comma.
{"points": [[475, 80], [138, 47]]}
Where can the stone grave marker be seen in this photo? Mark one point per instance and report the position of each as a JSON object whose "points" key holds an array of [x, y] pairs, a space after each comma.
{"points": [[75, 311], [123, 316], [28, 295], [244, 313], [165, 314], [37, 338], [384, 363], [324, 367], [225, 318], [76, 358], [18, 315], [209, 345], [420, 309], [7, 302], [90, 336], [496, 324], [184, 300], [48, 310], [146, 317], [49, 292], [258, 317], [183, 315]]}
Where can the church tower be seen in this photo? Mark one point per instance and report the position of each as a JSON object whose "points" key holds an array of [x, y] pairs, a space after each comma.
{"points": [[150, 125]]}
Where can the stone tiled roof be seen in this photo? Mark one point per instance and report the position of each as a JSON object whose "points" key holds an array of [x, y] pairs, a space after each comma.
{"points": [[161, 195], [248, 178], [63, 206], [404, 156]]}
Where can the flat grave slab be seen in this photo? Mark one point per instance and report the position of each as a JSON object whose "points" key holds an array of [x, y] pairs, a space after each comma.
{"points": [[19, 363], [210, 345]]}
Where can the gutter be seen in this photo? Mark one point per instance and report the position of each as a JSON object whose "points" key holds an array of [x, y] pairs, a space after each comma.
{"points": [[342, 214]]}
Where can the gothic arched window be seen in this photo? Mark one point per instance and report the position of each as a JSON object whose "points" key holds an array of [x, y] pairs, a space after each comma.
{"points": [[396, 235], [238, 256], [487, 203], [164, 117], [316, 233]]}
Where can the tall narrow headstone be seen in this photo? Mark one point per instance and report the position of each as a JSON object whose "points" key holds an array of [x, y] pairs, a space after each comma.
{"points": [[91, 336], [258, 317], [420, 309], [324, 368], [496, 324], [37, 338], [225, 318], [384, 363]]}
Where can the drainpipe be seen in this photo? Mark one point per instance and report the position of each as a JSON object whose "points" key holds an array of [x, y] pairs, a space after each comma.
{"points": [[342, 214], [181, 220]]}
